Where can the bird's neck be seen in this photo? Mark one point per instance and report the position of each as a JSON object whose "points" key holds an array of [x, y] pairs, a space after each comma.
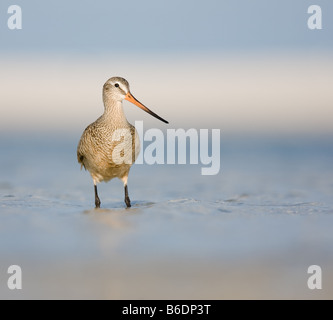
{"points": [[113, 112]]}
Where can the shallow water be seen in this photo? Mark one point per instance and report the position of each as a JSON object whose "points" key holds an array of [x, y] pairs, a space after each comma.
{"points": [[251, 231]]}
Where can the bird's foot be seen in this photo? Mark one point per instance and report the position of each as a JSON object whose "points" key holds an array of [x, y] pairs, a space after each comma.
{"points": [[128, 202], [97, 203]]}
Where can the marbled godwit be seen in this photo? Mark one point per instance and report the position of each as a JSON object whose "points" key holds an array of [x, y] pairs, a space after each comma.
{"points": [[109, 146]]}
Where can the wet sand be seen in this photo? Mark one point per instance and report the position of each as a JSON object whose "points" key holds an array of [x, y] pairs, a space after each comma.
{"points": [[250, 232]]}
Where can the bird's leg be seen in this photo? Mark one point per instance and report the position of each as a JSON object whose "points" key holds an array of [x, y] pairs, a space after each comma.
{"points": [[97, 201], [127, 199]]}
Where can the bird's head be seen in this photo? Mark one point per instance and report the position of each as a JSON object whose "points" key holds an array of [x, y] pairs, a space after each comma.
{"points": [[117, 89]]}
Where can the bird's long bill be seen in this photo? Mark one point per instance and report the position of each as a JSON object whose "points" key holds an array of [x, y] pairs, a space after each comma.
{"points": [[130, 98]]}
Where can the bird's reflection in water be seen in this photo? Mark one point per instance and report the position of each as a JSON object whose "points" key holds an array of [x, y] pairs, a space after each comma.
{"points": [[118, 217]]}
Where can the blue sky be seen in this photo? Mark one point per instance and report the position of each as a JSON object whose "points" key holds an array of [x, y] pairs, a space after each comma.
{"points": [[148, 26]]}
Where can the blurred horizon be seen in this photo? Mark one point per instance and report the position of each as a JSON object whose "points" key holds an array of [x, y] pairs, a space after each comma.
{"points": [[277, 93]]}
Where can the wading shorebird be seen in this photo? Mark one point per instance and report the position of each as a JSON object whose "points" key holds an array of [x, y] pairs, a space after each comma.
{"points": [[109, 146]]}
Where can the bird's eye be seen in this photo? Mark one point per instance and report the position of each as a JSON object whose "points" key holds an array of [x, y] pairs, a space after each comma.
{"points": [[116, 85]]}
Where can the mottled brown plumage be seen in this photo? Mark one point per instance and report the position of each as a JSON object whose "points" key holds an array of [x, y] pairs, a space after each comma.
{"points": [[109, 146]]}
